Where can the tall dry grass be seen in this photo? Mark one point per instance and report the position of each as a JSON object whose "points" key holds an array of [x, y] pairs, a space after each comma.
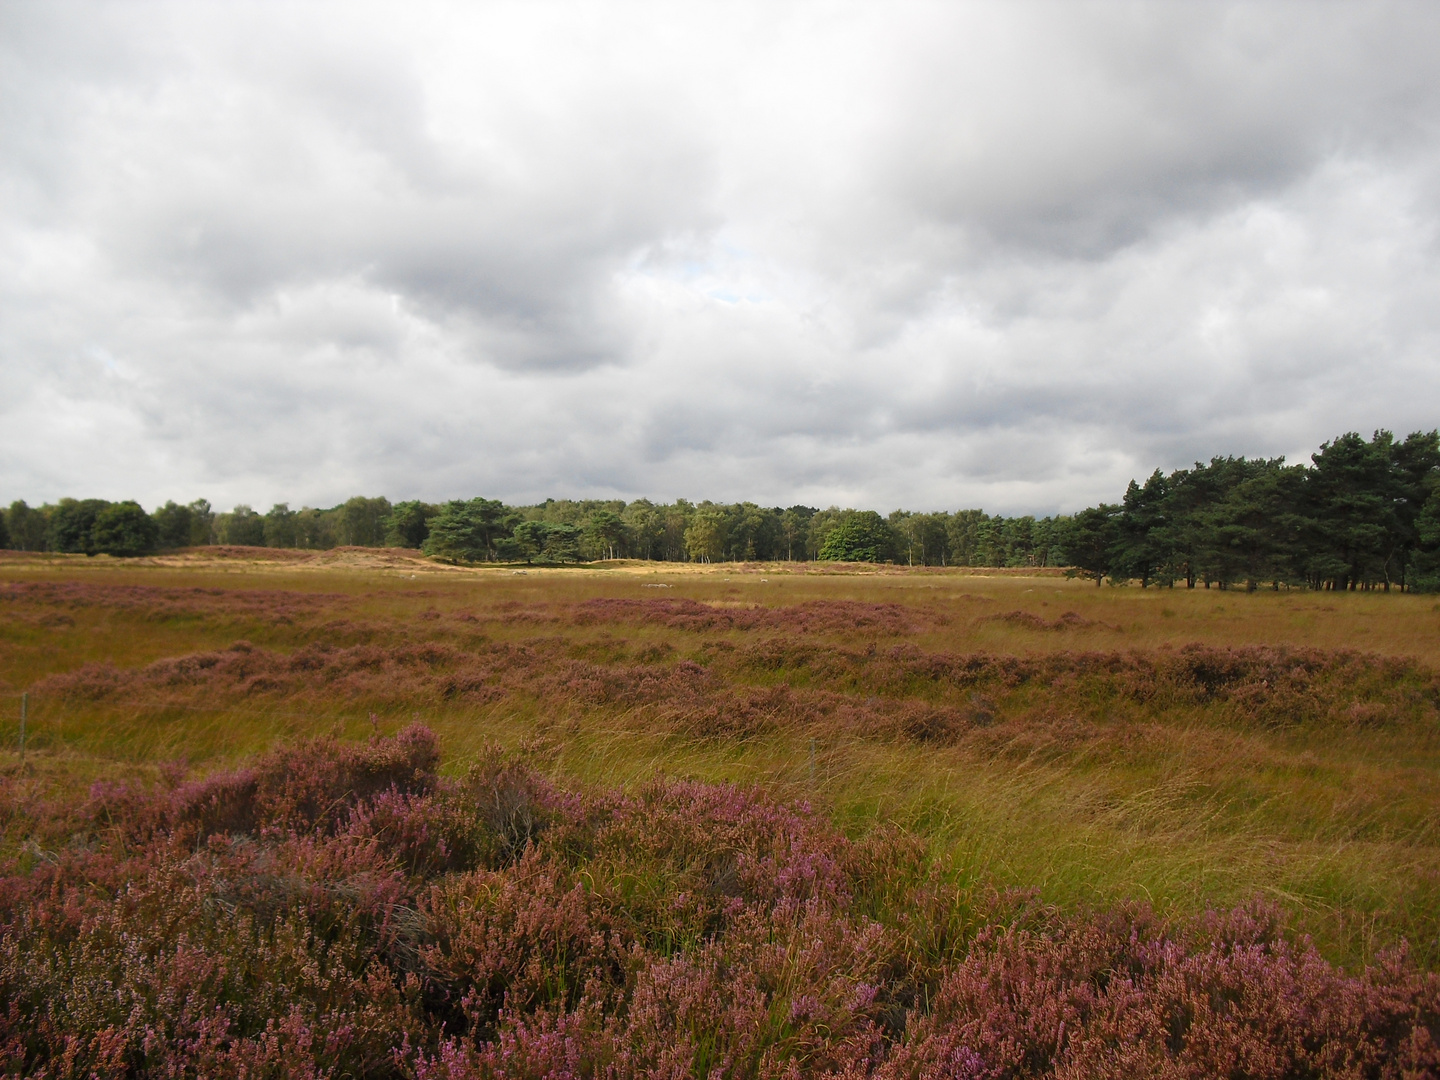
{"points": [[1183, 748], [342, 909]]}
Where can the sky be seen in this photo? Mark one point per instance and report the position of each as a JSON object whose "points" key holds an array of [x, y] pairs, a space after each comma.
{"points": [[891, 255]]}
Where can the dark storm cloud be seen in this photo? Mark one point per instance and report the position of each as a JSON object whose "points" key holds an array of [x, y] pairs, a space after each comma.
{"points": [[934, 255]]}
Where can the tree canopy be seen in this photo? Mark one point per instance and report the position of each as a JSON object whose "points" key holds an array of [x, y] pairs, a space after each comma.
{"points": [[1364, 513], [124, 528], [863, 536]]}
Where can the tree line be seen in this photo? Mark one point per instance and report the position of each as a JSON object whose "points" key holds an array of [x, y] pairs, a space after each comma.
{"points": [[1363, 514], [100, 527], [555, 531]]}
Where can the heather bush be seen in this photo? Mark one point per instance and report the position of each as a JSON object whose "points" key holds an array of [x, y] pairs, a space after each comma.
{"points": [[729, 691], [812, 617], [1115, 996], [158, 603], [342, 909]]}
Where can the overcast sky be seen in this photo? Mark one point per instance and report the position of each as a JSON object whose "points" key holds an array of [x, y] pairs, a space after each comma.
{"points": [[879, 255]]}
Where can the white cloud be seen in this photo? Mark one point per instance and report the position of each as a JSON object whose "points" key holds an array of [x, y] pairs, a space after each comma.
{"points": [[929, 255]]}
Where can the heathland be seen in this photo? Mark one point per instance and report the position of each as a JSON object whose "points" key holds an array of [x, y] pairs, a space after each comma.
{"points": [[955, 759]]}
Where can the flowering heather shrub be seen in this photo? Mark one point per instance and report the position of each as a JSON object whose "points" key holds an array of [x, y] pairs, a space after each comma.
{"points": [[789, 682], [312, 786], [1115, 995], [158, 603], [401, 672], [812, 617], [745, 670], [1275, 685], [343, 910], [1070, 620]]}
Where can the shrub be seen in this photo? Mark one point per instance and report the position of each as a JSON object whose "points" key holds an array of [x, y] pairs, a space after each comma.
{"points": [[342, 909]]}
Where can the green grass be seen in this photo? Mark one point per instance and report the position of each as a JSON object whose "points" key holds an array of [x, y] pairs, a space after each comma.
{"points": [[1184, 807]]}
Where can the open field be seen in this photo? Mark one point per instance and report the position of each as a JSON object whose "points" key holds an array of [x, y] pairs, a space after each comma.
{"points": [[1183, 748], [357, 814]]}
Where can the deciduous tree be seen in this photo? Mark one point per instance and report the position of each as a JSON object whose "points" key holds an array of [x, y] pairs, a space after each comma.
{"points": [[172, 525], [408, 524], [123, 529], [70, 525], [28, 525], [280, 530], [863, 536]]}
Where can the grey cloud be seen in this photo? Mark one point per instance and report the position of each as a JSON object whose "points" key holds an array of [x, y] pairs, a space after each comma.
{"points": [[1100, 122], [296, 167], [1003, 255]]}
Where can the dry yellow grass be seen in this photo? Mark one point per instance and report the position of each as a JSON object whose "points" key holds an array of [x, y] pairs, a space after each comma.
{"points": [[1184, 806]]}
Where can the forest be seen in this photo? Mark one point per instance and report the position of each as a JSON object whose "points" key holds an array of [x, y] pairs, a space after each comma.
{"points": [[1364, 514]]}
